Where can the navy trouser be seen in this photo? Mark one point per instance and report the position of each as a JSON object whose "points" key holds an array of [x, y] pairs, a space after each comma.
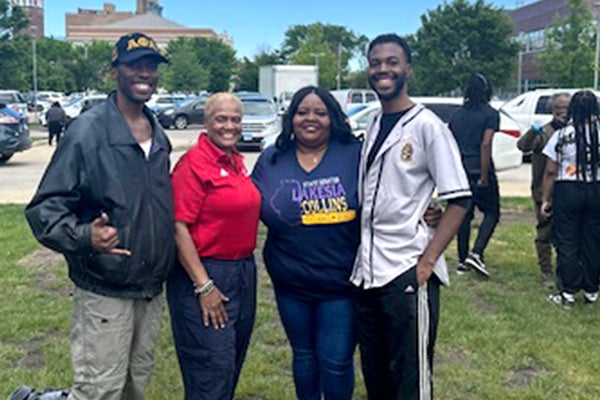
{"points": [[323, 340], [396, 328], [576, 215], [487, 200], [211, 359]]}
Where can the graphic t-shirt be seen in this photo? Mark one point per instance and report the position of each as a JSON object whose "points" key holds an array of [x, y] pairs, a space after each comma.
{"points": [[312, 220], [561, 148]]}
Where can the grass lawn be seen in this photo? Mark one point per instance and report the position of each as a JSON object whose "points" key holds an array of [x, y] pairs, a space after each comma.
{"points": [[498, 338]]}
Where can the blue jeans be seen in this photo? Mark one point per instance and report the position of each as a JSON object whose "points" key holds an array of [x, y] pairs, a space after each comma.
{"points": [[323, 339]]}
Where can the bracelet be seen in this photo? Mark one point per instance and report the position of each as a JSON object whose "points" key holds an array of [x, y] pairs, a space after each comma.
{"points": [[205, 288]]}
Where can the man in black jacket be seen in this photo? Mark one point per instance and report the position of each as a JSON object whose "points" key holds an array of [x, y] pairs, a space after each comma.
{"points": [[105, 202]]}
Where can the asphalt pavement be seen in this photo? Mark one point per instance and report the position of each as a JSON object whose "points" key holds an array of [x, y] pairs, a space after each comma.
{"points": [[20, 176]]}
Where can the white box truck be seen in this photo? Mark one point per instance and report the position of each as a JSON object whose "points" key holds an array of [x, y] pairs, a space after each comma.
{"points": [[280, 82]]}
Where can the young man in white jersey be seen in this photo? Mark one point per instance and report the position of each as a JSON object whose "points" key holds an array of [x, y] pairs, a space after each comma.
{"points": [[408, 153]]}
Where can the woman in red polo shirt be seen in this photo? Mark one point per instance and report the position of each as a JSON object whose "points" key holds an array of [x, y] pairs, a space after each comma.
{"points": [[212, 290]]}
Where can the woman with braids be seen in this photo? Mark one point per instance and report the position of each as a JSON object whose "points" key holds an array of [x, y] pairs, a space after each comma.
{"points": [[308, 182], [571, 194]]}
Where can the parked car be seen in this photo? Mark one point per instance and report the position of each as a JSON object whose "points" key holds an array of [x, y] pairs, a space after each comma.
{"points": [[51, 97], [505, 153], [350, 98], [82, 104], [532, 108], [14, 133], [15, 100], [186, 113], [260, 119], [162, 101]]}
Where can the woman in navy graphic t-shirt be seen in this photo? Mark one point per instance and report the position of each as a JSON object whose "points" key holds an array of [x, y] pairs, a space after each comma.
{"points": [[308, 183]]}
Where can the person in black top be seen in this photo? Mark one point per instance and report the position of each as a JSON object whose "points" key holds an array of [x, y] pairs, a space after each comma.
{"points": [[473, 126], [56, 118]]}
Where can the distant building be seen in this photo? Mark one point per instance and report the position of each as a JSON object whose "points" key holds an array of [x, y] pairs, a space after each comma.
{"points": [[109, 24], [35, 12], [531, 22]]}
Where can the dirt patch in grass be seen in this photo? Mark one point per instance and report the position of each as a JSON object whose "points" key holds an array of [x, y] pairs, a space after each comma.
{"points": [[34, 355], [42, 264], [524, 376]]}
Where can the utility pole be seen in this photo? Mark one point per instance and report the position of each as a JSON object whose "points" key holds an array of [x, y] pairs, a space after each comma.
{"points": [[316, 56], [338, 77]]}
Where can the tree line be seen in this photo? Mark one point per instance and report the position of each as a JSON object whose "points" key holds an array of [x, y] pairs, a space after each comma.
{"points": [[455, 39]]}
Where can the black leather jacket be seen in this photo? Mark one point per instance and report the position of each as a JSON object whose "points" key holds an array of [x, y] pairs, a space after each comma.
{"points": [[99, 167]]}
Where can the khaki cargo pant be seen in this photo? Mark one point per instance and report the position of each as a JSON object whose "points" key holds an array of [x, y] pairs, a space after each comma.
{"points": [[112, 345]]}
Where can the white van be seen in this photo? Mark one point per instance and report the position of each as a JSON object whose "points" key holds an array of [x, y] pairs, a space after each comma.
{"points": [[350, 98]]}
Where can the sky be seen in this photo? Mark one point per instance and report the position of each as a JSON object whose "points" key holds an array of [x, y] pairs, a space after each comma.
{"points": [[261, 24]]}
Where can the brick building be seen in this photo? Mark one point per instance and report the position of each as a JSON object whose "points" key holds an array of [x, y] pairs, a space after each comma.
{"points": [[34, 9], [109, 24], [531, 22]]}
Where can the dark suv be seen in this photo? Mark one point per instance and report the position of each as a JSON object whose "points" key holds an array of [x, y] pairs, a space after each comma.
{"points": [[14, 133]]}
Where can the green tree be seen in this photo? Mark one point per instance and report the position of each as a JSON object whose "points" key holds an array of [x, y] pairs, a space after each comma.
{"points": [[247, 75], [247, 70], [568, 60], [332, 45], [12, 20], [184, 74], [215, 59], [16, 64], [457, 39]]}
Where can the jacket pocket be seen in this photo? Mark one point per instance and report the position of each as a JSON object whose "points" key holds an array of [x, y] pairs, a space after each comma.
{"points": [[109, 268]]}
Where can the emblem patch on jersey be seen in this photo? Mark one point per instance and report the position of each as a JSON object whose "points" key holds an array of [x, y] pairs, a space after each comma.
{"points": [[407, 152]]}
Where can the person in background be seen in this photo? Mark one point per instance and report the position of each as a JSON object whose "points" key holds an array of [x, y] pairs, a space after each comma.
{"points": [[571, 195], [408, 154], [56, 119], [212, 289], [473, 126], [105, 202], [533, 141]]}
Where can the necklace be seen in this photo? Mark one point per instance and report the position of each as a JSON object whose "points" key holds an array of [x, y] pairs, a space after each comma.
{"points": [[311, 158]]}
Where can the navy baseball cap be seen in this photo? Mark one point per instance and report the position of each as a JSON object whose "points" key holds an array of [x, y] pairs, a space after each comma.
{"points": [[132, 47]]}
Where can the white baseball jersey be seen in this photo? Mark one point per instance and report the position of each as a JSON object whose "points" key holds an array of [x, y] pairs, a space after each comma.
{"points": [[419, 155]]}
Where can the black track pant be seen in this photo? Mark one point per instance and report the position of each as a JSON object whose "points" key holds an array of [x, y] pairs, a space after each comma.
{"points": [[576, 215]]}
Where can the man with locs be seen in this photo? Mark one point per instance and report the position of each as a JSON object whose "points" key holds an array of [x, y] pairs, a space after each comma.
{"points": [[408, 152], [105, 202]]}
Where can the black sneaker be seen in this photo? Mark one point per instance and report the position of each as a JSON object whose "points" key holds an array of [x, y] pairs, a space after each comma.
{"points": [[461, 269], [27, 393], [567, 301], [22, 393], [475, 261]]}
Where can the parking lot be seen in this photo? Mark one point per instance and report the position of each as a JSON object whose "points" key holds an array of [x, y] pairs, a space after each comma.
{"points": [[20, 176]]}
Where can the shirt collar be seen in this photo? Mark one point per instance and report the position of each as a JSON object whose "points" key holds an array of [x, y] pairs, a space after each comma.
{"points": [[119, 132], [216, 153]]}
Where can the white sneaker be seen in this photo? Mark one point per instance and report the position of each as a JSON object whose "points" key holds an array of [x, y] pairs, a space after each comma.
{"points": [[590, 298], [566, 300]]}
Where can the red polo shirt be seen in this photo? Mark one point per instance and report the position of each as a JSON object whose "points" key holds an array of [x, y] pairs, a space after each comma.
{"points": [[215, 197]]}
